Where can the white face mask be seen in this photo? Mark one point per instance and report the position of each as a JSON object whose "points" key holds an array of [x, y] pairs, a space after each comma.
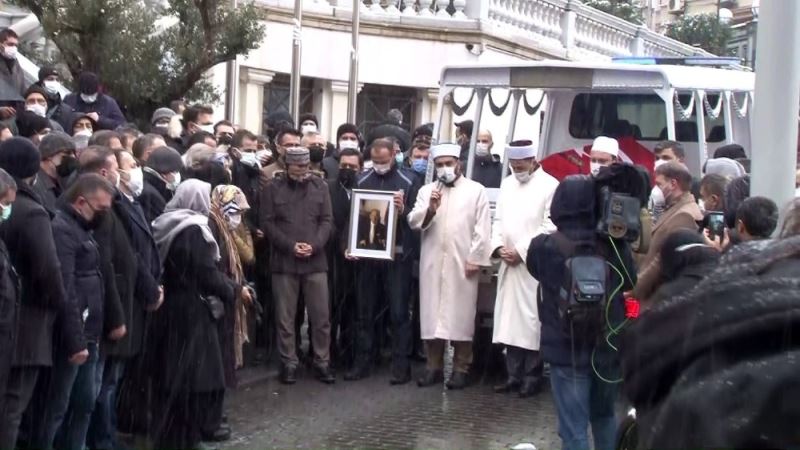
{"points": [[381, 169], [39, 110], [446, 174], [343, 144], [234, 221], [261, 154], [659, 163], [595, 167], [208, 128], [481, 149], [10, 52], [310, 128], [136, 181], [89, 98], [250, 159], [51, 86], [84, 132], [176, 180], [523, 177]]}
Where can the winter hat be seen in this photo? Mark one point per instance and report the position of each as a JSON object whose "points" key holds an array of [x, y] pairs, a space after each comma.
{"points": [[732, 151], [35, 89], [684, 248], [465, 126], [297, 155], [47, 71], [346, 128], [161, 113], [165, 160], [19, 157], [28, 123], [309, 116], [88, 83], [55, 142]]}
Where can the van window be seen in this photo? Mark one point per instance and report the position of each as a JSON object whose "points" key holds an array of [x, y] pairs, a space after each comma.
{"points": [[715, 129], [641, 116]]}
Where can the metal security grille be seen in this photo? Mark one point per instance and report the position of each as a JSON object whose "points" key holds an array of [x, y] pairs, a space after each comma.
{"points": [[276, 96], [375, 100]]}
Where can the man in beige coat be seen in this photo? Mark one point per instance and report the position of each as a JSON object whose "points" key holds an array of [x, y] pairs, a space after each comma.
{"points": [[681, 211]]}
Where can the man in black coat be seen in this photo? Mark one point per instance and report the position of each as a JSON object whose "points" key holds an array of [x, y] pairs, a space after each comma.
{"points": [[9, 291], [57, 110], [73, 389], [100, 107], [162, 175], [28, 235], [58, 163]]}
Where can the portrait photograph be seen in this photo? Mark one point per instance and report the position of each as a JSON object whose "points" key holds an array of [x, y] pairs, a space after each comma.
{"points": [[373, 223]]}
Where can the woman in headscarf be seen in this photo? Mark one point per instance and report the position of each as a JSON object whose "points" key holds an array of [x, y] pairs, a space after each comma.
{"points": [[228, 205], [190, 370]]}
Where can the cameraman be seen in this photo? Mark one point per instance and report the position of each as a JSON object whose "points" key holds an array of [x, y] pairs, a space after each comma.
{"points": [[584, 370]]}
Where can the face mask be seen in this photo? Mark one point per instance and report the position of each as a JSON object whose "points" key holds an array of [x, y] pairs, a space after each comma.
{"points": [[39, 110], [250, 159], [225, 139], [347, 177], [595, 168], [316, 154], [381, 169], [419, 165], [261, 154], [136, 181], [84, 132], [67, 167], [208, 128], [399, 157], [176, 180], [116, 183], [659, 163], [523, 177], [234, 221], [10, 52], [89, 98], [6, 214], [343, 144], [310, 128], [51, 86], [446, 174], [482, 149]]}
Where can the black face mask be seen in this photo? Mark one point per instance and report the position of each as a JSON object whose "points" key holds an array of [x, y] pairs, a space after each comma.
{"points": [[67, 167], [96, 220], [225, 139], [316, 154], [347, 177]]}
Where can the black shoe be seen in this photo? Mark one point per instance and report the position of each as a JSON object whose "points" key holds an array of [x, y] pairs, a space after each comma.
{"points": [[457, 381], [509, 386], [430, 378], [531, 387], [324, 375], [221, 435], [400, 377], [288, 375], [356, 373]]}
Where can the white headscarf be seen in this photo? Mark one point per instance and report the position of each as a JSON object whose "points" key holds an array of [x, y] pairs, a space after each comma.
{"points": [[189, 206]]}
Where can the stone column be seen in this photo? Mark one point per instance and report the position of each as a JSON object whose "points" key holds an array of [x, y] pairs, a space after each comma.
{"points": [[251, 96]]}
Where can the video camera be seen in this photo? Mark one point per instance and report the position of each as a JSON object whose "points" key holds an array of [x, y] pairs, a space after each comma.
{"points": [[621, 189]]}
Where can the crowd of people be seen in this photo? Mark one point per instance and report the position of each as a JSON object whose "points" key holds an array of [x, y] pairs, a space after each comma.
{"points": [[138, 269]]}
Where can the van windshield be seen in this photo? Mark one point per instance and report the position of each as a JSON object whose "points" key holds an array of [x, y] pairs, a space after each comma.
{"points": [[641, 116]]}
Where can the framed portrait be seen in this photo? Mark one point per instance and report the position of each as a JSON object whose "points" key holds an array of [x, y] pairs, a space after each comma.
{"points": [[373, 224]]}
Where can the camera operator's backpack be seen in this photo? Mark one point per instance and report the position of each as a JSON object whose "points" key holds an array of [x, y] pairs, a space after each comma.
{"points": [[583, 294]]}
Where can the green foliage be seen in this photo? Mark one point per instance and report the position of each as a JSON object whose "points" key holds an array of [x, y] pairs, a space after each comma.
{"points": [[704, 31], [629, 10], [148, 56]]}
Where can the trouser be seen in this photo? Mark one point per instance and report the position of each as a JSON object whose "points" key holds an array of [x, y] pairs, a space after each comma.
{"points": [[18, 393], [462, 356], [342, 290], [180, 415], [378, 280], [285, 288], [523, 364], [103, 429], [72, 394], [582, 399]]}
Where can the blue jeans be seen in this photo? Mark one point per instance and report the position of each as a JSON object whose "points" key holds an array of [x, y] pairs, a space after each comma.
{"points": [[581, 399], [103, 430], [72, 393]]}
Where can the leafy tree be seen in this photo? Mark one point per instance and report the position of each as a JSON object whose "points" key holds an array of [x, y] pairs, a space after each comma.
{"points": [[630, 10], [148, 55], [702, 30]]}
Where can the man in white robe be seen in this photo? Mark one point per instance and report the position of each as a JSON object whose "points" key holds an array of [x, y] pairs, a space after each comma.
{"points": [[453, 214], [522, 213]]}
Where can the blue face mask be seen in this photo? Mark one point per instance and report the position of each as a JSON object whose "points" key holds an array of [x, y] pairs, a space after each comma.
{"points": [[4, 216], [419, 165], [399, 158]]}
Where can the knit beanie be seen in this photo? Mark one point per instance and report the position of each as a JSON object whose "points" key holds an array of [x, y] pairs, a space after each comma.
{"points": [[19, 157]]}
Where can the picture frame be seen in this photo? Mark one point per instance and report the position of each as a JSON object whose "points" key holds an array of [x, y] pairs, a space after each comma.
{"points": [[373, 224]]}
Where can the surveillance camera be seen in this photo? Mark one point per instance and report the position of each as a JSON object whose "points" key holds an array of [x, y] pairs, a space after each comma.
{"points": [[475, 49], [470, 47]]}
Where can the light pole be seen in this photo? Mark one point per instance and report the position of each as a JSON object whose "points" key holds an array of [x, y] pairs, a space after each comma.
{"points": [[352, 85], [232, 70], [297, 46], [777, 96]]}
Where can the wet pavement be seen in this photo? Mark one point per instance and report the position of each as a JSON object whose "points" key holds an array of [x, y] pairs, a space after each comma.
{"points": [[372, 414]]}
